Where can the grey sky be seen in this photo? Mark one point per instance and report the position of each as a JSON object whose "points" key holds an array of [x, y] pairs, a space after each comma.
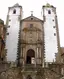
{"points": [[36, 6]]}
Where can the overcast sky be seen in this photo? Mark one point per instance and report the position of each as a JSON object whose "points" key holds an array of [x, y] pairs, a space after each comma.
{"points": [[36, 6]]}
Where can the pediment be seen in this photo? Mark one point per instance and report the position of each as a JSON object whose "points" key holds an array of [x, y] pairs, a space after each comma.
{"points": [[32, 18]]}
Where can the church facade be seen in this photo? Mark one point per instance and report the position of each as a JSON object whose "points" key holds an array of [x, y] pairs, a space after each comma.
{"points": [[34, 35], [30, 44]]}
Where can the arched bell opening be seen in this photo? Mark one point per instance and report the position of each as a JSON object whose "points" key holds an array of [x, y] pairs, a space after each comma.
{"points": [[30, 58]]}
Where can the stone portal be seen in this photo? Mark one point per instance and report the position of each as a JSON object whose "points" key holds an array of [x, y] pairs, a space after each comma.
{"points": [[30, 59]]}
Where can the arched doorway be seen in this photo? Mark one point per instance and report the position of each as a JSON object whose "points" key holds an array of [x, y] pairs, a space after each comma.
{"points": [[30, 56]]}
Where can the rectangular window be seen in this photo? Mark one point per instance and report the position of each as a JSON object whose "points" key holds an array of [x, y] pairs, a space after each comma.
{"points": [[31, 25], [49, 12], [14, 11]]}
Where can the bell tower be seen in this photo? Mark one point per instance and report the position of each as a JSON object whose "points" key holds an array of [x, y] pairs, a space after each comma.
{"points": [[13, 28], [51, 35]]}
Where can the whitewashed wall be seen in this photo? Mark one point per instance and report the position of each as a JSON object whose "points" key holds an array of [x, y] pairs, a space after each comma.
{"points": [[12, 38], [50, 41]]}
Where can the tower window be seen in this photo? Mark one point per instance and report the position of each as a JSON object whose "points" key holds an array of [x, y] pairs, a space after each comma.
{"points": [[49, 12], [54, 34], [53, 20], [14, 11], [9, 20], [53, 26], [8, 26], [7, 33]]}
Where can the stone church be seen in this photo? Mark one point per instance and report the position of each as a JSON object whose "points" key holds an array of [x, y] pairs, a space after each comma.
{"points": [[32, 38], [30, 45]]}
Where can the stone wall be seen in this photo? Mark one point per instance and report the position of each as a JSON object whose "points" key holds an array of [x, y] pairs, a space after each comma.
{"points": [[7, 71]]}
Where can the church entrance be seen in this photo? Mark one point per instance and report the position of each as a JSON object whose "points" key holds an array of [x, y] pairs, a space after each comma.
{"points": [[30, 56]]}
